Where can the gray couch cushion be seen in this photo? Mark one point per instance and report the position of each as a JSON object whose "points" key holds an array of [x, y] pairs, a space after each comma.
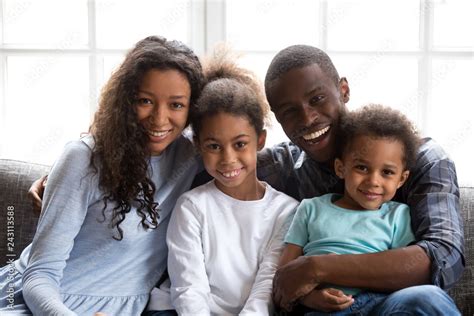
{"points": [[463, 292], [16, 178]]}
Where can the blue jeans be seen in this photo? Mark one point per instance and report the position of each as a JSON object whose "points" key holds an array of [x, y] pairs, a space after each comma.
{"points": [[420, 300], [363, 304]]}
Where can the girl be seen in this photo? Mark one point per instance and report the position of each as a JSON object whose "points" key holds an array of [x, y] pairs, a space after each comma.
{"points": [[100, 241], [225, 237]]}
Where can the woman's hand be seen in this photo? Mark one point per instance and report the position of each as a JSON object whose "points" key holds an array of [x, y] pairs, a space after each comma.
{"points": [[327, 300], [35, 193]]}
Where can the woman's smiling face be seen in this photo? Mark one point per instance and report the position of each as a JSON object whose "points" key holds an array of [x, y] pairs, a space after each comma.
{"points": [[163, 102]]}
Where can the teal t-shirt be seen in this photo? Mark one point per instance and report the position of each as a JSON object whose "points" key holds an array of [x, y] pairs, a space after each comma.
{"points": [[321, 227]]}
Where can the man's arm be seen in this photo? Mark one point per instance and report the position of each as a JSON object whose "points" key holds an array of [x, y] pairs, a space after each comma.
{"points": [[35, 193], [384, 271]]}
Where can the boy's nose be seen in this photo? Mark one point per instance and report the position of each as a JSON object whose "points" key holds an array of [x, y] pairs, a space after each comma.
{"points": [[373, 179]]}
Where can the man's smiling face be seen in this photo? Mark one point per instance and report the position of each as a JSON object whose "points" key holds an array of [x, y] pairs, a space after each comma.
{"points": [[308, 103]]}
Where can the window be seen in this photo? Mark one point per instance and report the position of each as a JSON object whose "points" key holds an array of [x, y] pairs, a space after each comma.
{"points": [[55, 55]]}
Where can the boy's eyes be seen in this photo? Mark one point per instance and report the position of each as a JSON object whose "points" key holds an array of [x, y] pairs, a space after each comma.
{"points": [[361, 167], [388, 172]]}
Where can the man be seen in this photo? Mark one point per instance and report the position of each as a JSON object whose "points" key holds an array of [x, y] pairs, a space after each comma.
{"points": [[307, 97]]}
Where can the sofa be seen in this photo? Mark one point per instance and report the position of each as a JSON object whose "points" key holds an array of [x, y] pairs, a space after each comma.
{"points": [[18, 222]]}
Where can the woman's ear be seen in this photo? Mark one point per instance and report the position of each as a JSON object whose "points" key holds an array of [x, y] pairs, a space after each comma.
{"points": [[261, 140], [403, 178], [339, 168]]}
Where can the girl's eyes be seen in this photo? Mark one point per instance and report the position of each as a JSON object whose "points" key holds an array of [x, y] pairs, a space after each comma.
{"points": [[213, 146], [240, 144]]}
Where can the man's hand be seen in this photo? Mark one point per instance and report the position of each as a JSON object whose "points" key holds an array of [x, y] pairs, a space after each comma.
{"points": [[293, 281], [327, 300], [35, 193]]}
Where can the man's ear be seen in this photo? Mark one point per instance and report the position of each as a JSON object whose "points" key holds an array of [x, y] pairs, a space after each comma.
{"points": [[403, 178], [261, 139], [344, 89], [339, 168]]}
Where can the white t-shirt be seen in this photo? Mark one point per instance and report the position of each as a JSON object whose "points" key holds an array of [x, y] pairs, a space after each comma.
{"points": [[223, 252]]}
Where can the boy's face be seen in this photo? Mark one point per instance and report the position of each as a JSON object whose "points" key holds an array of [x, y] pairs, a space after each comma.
{"points": [[229, 145], [307, 103], [373, 170]]}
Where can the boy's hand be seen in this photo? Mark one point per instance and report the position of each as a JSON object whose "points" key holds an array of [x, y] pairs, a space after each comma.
{"points": [[100, 314], [327, 300], [35, 193]]}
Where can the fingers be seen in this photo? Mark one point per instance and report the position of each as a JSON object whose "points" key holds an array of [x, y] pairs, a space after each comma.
{"points": [[35, 193], [337, 298]]}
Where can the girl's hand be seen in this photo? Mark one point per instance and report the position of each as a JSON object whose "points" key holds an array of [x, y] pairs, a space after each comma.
{"points": [[327, 300], [100, 314], [35, 193]]}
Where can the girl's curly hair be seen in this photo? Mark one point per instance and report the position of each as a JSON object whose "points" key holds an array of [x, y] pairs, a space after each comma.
{"points": [[121, 152], [230, 89]]}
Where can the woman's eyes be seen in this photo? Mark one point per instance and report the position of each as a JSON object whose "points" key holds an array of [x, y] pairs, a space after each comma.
{"points": [[144, 101], [177, 105]]}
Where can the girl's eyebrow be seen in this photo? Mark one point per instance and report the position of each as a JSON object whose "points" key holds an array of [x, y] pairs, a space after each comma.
{"points": [[210, 138]]}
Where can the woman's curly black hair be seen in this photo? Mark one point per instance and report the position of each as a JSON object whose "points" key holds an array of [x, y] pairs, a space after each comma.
{"points": [[121, 151], [379, 122]]}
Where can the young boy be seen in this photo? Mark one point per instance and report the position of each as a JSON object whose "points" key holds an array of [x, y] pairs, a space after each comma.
{"points": [[376, 148], [307, 97]]}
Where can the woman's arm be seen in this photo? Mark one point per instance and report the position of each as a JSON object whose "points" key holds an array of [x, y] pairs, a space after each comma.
{"points": [[190, 291], [65, 207]]}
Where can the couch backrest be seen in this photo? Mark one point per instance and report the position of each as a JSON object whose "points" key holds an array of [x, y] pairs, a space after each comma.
{"points": [[17, 230]]}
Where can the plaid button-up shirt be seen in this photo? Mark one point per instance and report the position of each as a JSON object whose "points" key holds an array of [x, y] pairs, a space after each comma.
{"points": [[431, 192]]}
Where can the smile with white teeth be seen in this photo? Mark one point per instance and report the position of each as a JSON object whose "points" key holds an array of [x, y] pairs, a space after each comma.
{"points": [[158, 133], [316, 134], [231, 174]]}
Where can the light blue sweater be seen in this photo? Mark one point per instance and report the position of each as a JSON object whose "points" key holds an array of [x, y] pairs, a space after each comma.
{"points": [[75, 266]]}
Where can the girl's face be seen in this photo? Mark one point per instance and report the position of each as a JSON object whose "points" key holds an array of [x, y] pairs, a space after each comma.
{"points": [[373, 170], [229, 145], [163, 102]]}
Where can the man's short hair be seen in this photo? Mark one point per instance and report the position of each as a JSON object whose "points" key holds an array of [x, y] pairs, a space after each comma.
{"points": [[299, 56]]}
